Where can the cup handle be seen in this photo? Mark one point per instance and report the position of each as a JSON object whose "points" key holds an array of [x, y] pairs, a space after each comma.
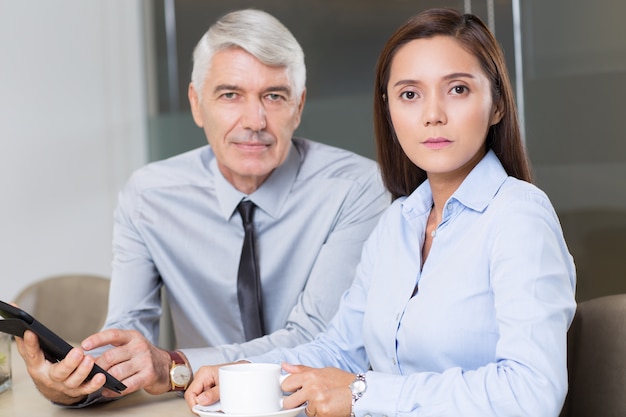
{"points": [[280, 381], [282, 378]]}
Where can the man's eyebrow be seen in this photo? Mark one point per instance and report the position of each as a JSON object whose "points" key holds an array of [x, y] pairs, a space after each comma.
{"points": [[232, 87], [279, 88], [225, 87], [447, 77]]}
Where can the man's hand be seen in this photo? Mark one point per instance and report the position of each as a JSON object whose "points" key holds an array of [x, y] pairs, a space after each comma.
{"points": [[62, 382], [133, 360]]}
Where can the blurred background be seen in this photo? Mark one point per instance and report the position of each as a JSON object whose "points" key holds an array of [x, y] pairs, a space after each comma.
{"points": [[91, 90]]}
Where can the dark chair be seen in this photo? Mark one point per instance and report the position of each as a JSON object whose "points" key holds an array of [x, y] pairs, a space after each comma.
{"points": [[597, 359]]}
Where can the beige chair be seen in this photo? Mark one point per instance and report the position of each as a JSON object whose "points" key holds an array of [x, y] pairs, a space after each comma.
{"points": [[73, 306], [597, 359]]}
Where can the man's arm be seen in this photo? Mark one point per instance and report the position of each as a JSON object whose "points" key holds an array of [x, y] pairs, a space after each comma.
{"points": [[331, 275]]}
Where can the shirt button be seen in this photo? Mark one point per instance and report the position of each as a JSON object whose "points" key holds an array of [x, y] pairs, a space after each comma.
{"points": [[393, 360], [367, 415]]}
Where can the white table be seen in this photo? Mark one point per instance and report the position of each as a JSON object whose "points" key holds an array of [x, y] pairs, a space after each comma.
{"points": [[23, 400]]}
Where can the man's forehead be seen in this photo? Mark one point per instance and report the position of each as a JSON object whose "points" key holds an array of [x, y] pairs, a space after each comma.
{"points": [[234, 68]]}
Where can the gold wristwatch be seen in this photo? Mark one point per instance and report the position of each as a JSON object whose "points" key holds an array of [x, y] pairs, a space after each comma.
{"points": [[180, 371]]}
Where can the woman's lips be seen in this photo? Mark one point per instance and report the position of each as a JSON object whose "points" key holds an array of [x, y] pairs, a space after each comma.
{"points": [[436, 143]]}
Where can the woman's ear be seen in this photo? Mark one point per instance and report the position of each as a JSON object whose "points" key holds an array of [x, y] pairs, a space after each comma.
{"points": [[497, 114]]}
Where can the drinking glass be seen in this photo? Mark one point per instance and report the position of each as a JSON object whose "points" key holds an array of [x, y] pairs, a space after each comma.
{"points": [[5, 361]]}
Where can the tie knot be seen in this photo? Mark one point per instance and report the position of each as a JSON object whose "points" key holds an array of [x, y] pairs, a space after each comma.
{"points": [[246, 210]]}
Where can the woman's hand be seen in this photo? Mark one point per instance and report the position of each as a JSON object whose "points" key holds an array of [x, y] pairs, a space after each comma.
{"points": [[327, 390], [204, 389]]}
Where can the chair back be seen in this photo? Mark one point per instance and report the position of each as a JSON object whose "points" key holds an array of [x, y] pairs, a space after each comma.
{"points": [[597, 359], [73, 306]]}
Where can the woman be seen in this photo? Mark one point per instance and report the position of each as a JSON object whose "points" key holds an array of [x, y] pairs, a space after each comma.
{"points": [[465, 290]]}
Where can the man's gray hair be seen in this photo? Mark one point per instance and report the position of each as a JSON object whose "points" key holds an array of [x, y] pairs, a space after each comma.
{"points": [[258, 33]]}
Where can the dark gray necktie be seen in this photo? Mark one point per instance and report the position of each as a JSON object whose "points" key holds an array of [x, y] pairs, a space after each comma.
{"points": [[248, 283]]}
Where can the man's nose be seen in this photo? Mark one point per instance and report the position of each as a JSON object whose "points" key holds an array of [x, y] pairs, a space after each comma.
{"points": [[254, 117]]}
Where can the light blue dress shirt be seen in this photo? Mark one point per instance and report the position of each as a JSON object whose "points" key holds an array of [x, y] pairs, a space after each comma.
{"points": [[485, 335], [176, 225]]}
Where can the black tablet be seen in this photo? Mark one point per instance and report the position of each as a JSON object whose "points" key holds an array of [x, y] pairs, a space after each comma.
{"points": [[16, 321]]}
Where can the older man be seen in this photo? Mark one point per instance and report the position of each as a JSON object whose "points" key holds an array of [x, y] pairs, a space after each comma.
{"points": [[255, 236]]}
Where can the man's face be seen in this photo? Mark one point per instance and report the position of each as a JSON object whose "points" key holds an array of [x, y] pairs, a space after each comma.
{"points": [[248, 112]]}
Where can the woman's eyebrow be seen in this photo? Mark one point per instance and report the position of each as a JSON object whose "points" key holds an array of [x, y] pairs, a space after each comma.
{"points": [[446, 77]]}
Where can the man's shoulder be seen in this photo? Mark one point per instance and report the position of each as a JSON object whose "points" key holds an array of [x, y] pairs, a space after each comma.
{"points": [[319, 159], [186, 168]]}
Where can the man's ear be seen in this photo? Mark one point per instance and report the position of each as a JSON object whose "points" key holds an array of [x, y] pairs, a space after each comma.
{"points": [[300, 109], [194, 102]]}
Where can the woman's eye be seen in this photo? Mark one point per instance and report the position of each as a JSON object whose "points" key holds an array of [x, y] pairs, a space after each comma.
{"points": [[459, 89], [408, 95]]}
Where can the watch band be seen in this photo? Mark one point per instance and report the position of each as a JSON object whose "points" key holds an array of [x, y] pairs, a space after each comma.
{"points": [[178, 359], [357, 388]]}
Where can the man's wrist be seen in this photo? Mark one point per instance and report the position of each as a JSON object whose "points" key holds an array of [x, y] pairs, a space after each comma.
{"points": [[180, 373]]}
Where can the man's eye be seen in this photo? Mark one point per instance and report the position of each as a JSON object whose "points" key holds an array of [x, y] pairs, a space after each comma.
{"points": [[274, 97], [229, 96]]}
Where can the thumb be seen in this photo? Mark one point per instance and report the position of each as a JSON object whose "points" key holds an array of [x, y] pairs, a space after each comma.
{"points": [[293, 369]]}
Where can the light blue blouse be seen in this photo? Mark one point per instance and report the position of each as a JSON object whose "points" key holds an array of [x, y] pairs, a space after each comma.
{"points": [[485, 334]]}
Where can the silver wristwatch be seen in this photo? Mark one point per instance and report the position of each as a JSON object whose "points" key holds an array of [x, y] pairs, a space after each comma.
{"points": [[357, 387]]}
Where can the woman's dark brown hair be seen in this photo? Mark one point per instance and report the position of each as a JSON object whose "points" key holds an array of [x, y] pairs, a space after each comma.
{"points": [[400, 175]]}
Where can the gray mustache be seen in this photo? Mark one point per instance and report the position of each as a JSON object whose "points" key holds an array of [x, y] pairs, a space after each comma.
{"points": [[254, 137]]}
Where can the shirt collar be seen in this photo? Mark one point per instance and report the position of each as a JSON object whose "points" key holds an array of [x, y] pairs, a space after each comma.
{"points": [[269, 197], [475, 192]]}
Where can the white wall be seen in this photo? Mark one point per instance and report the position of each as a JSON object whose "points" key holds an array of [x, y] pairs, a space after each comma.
{"points": [[72, 128]]}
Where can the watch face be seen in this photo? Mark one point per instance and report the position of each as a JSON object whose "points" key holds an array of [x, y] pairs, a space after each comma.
{"points": [[358, 386], [180, 375]]}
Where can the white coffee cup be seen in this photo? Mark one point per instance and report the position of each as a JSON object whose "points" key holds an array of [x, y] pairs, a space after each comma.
{"points": [[251, 388]]}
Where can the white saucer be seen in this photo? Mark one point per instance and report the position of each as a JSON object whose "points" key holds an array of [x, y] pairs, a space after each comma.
{"points": [[214, 410]]}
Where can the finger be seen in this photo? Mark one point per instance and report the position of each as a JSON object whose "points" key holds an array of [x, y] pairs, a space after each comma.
{"points": [[28, 347], [308, 412], [72, 370], [203, 389], [296, 399], [132, 383], [209, 396], [115, 337], [190, 397], [131, 353]]}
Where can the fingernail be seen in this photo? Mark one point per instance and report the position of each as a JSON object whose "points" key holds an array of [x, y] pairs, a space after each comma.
{"points": [[75, 354]]}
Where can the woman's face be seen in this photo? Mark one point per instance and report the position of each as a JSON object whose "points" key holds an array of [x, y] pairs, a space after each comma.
{"points": [[441, 106]]}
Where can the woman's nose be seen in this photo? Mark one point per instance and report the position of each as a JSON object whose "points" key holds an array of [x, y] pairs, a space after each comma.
{"points": [[434, 112]]}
